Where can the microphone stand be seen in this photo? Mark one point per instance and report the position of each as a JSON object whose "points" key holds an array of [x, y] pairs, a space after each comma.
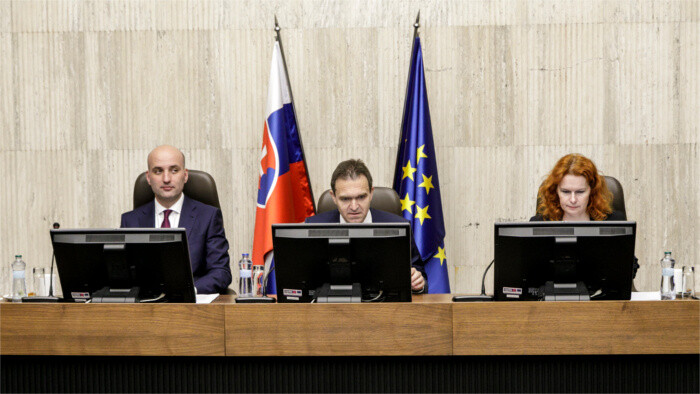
{"points": [[480, 297]]}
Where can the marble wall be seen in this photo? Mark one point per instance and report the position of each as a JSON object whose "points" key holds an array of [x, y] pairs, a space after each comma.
{"points": [[88, 88]]}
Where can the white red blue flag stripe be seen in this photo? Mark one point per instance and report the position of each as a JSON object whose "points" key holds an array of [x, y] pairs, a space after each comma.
{"points": [[284, 190]]}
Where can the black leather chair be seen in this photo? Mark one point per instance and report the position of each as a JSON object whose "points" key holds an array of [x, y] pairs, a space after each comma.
{"points": [[618, 202], [200, 186], [384, 198]]}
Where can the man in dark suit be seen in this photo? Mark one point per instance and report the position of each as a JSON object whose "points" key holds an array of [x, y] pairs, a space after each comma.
{"points": [[351, 190], [204, 224]]}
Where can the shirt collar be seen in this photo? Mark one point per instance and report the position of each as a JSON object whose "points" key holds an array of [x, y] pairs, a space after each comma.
{"points": [[177, 207]]}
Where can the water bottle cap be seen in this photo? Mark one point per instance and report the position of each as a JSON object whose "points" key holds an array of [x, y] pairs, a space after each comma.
{"points": [[245, 255], [667, 252], [18, 256]]}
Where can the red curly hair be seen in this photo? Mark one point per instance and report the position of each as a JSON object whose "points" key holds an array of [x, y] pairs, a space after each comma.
{"points": [[599, 201]]}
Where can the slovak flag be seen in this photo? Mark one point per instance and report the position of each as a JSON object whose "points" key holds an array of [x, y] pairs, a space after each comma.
{"points": [[284, 190]]}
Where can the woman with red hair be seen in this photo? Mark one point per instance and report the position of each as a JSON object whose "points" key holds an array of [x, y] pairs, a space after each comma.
{"points": [[574, 191]]}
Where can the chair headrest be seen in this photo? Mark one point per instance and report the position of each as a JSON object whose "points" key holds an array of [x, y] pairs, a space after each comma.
{"points": [[618, 202], [200, 186]]}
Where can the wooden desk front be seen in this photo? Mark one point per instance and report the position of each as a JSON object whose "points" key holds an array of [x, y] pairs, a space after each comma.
{"points": [[112, 329], [431, 325], [571, 328], [390, 329]]}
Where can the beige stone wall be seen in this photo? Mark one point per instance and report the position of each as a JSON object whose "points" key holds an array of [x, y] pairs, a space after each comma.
{"points": [[88, 88]]}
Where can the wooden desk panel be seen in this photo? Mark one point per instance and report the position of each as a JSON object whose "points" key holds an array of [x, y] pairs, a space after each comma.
{"points": [[601, 327], [431, 325], [339, 329], [91, 329]]}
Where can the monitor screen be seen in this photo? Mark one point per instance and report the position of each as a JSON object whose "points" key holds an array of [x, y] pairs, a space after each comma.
{"points": [[342, 262], [124, 265], [564, 260]]}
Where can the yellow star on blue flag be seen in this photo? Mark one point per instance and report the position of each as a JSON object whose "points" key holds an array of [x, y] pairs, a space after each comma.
{"points": [[440, 255], [422, 214], [407, 204], [408, 171], [420, 154], [427, 183]]}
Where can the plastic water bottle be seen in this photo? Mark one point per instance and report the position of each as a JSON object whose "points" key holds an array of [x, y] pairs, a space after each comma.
{"points": [[668, 288], [19, 286], [245, 281]]}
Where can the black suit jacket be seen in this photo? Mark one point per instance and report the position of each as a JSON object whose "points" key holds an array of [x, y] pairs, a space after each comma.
{"points": [[205, 237], [377, 217]]}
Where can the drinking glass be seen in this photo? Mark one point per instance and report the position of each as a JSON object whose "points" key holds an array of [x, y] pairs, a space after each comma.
{"points": [[688, 282], [39, 282]]}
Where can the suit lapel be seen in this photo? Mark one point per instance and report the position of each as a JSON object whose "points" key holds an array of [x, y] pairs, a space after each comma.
{"points": [[147, 215], [188, 216]]}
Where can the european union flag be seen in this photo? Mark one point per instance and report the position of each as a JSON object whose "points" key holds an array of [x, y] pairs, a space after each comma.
{"points": [[416, 177]]}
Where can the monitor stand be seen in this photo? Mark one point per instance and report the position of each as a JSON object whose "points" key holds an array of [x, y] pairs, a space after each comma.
{"points": [[329, 293], [116, 296], [120, 277], [341, 287], [565, 291]]}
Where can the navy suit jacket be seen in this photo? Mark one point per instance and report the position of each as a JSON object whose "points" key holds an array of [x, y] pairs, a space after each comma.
{"points": [[378, 216], [207, 242]]}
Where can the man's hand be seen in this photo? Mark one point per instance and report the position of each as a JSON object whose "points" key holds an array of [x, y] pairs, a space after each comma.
{"points": [[417, 280]]}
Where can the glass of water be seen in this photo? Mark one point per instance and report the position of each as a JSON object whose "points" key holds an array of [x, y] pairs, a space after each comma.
{"points": [[688, 282], [39, 282]]}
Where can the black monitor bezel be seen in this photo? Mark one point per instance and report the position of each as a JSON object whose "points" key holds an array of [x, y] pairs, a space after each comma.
{"points": [[621, 278], [175, 275], [288, 267]]}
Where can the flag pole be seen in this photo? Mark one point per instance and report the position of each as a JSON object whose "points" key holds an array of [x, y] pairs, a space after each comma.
{"points": [[416, 25], [278, 38]]}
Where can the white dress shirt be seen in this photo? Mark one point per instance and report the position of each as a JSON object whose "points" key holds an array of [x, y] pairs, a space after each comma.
{"points": [[174, 217]]}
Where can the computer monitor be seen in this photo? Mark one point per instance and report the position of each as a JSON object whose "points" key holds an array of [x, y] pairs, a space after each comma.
{"points": [[124, 265], [564, 260], [342, 262]]}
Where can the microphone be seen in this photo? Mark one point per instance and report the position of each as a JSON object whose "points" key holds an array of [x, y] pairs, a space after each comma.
{"points": [[50, 297], [480, 297]]}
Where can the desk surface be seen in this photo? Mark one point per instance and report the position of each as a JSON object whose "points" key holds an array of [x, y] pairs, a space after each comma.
{"points": [[430, 325]]}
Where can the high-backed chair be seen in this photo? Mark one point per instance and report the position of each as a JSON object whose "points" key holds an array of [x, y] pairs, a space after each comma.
{"points": [[200, 186], [618, 202], [384, 198]]}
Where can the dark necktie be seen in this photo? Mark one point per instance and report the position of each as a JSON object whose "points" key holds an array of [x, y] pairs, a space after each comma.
{"points": [[166, 221]]}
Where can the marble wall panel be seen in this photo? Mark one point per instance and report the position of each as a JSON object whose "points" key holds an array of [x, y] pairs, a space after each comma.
{"points": [[8, 133]]}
